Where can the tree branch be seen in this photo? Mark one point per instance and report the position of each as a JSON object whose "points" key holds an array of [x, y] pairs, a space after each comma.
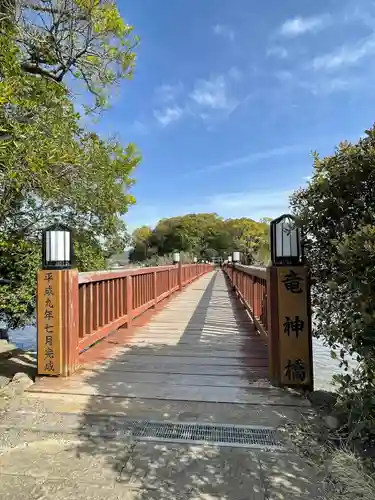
{"points": [[37, 70]]}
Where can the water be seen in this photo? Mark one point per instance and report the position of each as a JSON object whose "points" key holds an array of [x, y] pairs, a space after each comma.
{"points": [[24, 338], [324, 365]]}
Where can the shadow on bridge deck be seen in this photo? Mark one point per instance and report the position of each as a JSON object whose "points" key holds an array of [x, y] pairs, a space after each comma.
{"points": [[201, 347], [197, 360]]}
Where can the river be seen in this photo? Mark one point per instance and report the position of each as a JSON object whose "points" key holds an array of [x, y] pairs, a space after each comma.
{"points": [[324, 365]]}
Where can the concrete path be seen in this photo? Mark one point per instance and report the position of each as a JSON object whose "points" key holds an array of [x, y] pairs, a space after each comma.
{"points": [[197, 360]]}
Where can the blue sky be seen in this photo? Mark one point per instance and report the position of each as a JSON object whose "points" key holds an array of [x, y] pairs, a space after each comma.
{"points": [[229, 98]]}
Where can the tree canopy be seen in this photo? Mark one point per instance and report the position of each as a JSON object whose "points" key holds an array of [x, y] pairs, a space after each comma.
{"points": [[51, 168], [86, 40], [337, 211], [203, 235]]}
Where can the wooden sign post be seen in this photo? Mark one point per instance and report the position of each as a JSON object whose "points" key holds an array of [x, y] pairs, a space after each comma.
{"points": [[57, 322], [295, 341], [49, 323], [291, 361]]}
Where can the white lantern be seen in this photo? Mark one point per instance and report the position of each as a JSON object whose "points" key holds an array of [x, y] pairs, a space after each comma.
{"points": [[176, 258], [229, 259], [286, 247], [236, 256], [195, 260], [57, 247]]}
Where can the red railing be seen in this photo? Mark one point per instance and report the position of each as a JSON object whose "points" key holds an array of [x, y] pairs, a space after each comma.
{"points": [[108, 300], [251, 284]]}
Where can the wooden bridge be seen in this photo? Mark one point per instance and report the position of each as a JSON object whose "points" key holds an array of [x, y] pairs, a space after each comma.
{"points": [[161, 383], [185, 332]]}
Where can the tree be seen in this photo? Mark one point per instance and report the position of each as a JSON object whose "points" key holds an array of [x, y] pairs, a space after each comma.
{"points": [[141, 244], [337, 211], [206, 235], [209, 253], [221, 241], [142, 234], [86, 39], [52, 170], [251, 238]]}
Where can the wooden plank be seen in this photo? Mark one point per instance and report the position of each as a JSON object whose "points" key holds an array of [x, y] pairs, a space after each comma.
{"points": [[200, 348], [203, 356], [113, 387], [188, 379], [186, 359], [178, 368]]}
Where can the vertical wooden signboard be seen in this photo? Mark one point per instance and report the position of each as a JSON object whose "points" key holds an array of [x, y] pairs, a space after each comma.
{"points": [[49, 323], [295, 343]]}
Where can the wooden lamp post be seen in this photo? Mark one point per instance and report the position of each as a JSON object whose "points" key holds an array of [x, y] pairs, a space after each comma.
{"points": [[289, 307]]}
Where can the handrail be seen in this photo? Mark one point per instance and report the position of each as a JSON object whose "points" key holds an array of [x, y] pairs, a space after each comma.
{"points": [[259, 271], [252, 286], [107, 300], [88, 277]]}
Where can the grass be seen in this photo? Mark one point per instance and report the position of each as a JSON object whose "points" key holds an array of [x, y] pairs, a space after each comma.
{"points": [[345, 475]]}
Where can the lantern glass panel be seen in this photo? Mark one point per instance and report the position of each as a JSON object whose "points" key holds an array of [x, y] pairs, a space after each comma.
{"points": [[236, 256], [57, 246], [176, 257]]}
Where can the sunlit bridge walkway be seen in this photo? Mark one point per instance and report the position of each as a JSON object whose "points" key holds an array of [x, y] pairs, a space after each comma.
{"points": [[178, 407], [201, 347]]}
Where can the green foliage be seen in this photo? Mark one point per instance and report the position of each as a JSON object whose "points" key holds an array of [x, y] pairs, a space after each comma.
{"points": [[141, 240], [203, 235], [51, 169], [337, 210], [19, 262], [85, 38]]}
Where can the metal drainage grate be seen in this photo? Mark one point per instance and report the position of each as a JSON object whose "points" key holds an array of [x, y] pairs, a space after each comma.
{"points": [[249, 436]]}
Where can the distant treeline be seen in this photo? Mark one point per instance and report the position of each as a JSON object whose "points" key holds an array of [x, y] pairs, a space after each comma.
{"points": [[204, 236]]}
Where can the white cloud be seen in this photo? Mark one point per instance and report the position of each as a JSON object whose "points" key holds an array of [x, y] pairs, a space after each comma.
{"points": [[346, 55], [301, 25], [210, 99], [168, 115], [251, 158], [278, 51], [254, 204], [318, 84], [284, 76], [235, 74], [327, 86], [225, 31], [169, 92], [213, 94]]}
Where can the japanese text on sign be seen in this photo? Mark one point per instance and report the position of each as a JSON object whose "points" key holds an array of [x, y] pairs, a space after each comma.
{"points": [[292, 282], [294, 326], [295, 370], [49, 353]]}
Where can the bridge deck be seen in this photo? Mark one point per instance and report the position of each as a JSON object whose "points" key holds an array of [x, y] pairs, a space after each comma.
{"points": [[201, 346], [199, 360]]}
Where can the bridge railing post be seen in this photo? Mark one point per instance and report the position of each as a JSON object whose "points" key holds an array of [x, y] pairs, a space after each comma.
{"points": [[129, 300], [57, 322], [273, 325], [155, 287], [289, 326], [180, 275]]}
